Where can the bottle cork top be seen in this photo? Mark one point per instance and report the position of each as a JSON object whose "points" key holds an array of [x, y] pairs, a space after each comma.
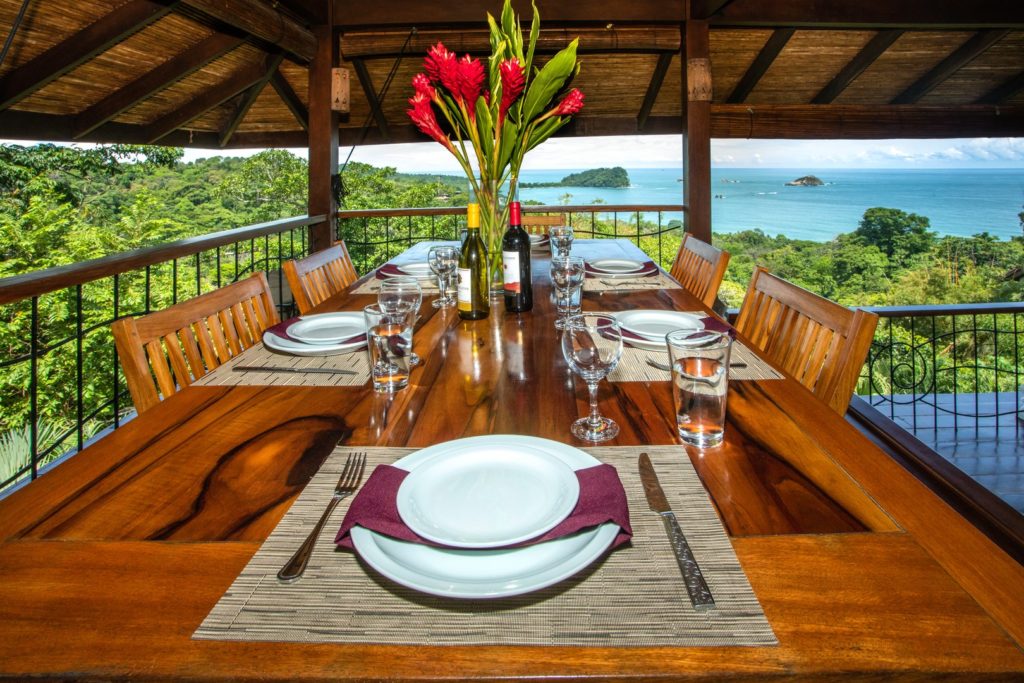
{"points": [[473, 216], [515, 216]]}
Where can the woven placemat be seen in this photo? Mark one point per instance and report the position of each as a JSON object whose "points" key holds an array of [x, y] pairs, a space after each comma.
{"points": [[634, 597], [633, 366], [261, 357], [373, 283], [660, 281]]}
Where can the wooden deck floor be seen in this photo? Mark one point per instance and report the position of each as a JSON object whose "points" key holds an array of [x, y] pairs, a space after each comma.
{"points": [[988, 448]]}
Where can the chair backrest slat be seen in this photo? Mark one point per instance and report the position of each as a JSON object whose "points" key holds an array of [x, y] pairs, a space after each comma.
{"points": [[540, 224], [319, 275], [168, 350], [700, 268], [820, 343]]}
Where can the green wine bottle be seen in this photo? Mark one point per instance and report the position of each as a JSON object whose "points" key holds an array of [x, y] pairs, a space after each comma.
{"points": [[474, 286]]}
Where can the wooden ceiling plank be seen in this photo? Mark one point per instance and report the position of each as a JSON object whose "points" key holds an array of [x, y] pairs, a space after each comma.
{"points": [[203, 102], [290, 99], [155, 80], [761, 64], [963, 55], [1003, 91], [248, 99], [469, 12], [882, 41], [905, 14], [261, 20], [653, 88], [79, 48], [707, 9], [371, 96]]}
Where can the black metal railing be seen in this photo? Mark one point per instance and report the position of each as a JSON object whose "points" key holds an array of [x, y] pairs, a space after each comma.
{"points": [[60, 380], [948, 366]]}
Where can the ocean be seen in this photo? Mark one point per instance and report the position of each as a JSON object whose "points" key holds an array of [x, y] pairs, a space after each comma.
{"points": [[958, 202]]}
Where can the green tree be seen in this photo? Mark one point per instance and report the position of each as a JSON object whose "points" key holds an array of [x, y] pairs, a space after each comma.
{"points": [[900, 235]]}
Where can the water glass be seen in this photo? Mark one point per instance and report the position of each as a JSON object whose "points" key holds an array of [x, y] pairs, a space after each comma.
{"points": [[443, 261], [398, 295], [700, 383], [389, 344], [592, 345], [567, 277], [561, 241]]}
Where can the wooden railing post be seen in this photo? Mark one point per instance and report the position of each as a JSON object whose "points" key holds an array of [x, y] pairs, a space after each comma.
{"points": [[696, 92], [323, 138]]}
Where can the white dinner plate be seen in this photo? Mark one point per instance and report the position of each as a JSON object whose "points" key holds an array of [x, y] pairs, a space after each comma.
{"points": [[327, 328], [653, 325], [617, 266], [487, 496], [420, 270], [537, 237], [280, 344], [463, 573]]}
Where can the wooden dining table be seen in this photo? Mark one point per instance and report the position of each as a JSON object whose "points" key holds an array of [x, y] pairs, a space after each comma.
{"points": [[110, 561]]}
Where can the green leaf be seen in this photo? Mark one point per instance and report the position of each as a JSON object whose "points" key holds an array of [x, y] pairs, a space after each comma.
{"points": [[485, 126], [546, 129], [534, 34], [549, 81], [509, 137], [508, 18]]}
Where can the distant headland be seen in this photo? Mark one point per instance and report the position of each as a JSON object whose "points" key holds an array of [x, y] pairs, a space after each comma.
{"points": [[595, 177], [806, 181]]}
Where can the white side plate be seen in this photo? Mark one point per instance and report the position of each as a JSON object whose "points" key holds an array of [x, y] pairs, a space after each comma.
{"points": [[654, 325], [617, 265], [327, 328], [419, 270]]}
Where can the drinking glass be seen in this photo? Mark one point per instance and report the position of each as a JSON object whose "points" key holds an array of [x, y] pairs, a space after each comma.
{"points": [[592, 345], [561, 240], [700, 383], [388, 338], [443, 261], [400, 295], [567, 276]]}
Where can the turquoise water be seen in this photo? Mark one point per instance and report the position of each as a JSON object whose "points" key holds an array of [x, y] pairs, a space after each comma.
{"points": [[958, 202]]}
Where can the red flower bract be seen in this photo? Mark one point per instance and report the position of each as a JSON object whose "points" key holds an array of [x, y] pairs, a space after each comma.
{"points": [[421, 84], [422, 115], [512, 83], [470, 81], [438, 60], [570, 104]]}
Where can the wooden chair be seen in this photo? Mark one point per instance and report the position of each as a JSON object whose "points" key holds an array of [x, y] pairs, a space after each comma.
{"points": [[700, 267], [168, 350], [319, 275], [540, 224], [822, 344]]}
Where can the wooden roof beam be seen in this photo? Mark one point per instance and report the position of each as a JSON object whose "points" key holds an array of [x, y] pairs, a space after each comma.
{"points": [[249, 97], [653, 88], [262, 21], [1003, 91], [290, 99], [371, 96], [470, 12], [760, 65], [963, 55], [882, 41], [79, 48], [168, 73], [210, 98], [707, 9], [905, 14]]}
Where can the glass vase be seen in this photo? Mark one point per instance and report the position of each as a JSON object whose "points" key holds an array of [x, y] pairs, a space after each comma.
{"points": [[493, 217]]}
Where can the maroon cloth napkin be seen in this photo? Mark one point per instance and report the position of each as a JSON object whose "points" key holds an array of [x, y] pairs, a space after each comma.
{"points": [[648, 269], [389, 270], [602, 499], [281, 330]]}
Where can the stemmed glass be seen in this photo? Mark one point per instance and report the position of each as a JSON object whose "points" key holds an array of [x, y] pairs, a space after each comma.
{"points": [[592, 345], [567, 276], [561, 240], [443, 261], [399, 295]]}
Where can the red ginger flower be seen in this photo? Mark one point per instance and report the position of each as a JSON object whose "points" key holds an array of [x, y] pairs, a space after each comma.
{"points": [[570, 104], [512, 83], [470, 81], [422, 115], [421, 84], [438, 60]]}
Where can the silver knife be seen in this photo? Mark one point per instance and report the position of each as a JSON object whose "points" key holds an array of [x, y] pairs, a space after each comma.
{"points": [[322, 371], [700, 594]]}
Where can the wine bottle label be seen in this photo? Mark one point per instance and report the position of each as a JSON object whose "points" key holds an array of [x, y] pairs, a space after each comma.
{"points": [[465, 289], [510, 265]]}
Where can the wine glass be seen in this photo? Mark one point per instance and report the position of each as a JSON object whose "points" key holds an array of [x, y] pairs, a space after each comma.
{"points": [[399, 295], [567, 276], [561, 241], [443, 261], [592, 345]]}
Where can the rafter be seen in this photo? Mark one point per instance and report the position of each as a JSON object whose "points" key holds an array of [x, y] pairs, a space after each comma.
{"points": [[1003, 91], [760, 65], [205, 101], [171, 71], [905, 14], [249, 98], [79, 48], [371, 96], [882, 41], [290, 99], [261, 20], [653, 88], [977, 44]]}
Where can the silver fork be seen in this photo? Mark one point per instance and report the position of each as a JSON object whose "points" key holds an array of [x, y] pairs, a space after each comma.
{"points": [[349, 481]]}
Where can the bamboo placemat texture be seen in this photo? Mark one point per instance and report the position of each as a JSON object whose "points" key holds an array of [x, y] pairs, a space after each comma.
{"points": [[372, 285], [634, 597], [633, 366], [660, 281], [259, 356]]}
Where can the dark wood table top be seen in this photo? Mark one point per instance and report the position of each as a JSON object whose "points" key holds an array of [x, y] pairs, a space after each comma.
{"points": [[111, 560]]}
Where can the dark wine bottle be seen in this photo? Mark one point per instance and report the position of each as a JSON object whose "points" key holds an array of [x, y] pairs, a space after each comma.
{"points": [[515, 258], [474, 282]]}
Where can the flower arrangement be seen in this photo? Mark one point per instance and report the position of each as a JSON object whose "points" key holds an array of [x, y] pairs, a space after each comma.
{"points": [[495, 112]]}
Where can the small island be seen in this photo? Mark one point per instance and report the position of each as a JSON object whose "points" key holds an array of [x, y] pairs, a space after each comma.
{"points": [[595, 177], [806, 181]]}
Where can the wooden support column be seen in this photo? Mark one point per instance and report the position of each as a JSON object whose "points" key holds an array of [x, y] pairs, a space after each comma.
{"points": [[696, 79], [323, 138]]}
